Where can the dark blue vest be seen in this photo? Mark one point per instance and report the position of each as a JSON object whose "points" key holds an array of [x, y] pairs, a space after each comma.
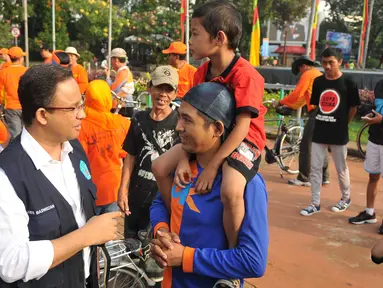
{"points": [[50, 215]]}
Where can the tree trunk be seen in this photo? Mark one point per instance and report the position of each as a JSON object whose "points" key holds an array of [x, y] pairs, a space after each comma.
{"points": [[284, 47]]}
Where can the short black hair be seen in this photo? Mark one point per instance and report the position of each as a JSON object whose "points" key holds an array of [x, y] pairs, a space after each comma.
{"points": [[221, 16], [63, 57], [13, 60], [332, 51], [37, 88], [181, 56], [208, 121]]}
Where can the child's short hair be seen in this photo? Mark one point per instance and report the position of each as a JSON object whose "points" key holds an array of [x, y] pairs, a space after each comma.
{"points": [[332, 51], [221, 16]]}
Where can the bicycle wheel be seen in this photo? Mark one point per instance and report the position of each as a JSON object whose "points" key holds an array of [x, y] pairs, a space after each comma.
{"points": [[362, 139], [289, 149], [126, 278]]}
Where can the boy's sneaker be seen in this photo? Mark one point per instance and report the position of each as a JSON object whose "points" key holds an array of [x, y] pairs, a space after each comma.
{"points": [[341, 206], [296, 182], [310, 210], [362, 218]]}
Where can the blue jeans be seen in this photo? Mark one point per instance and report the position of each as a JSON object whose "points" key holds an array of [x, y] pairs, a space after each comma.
{"points": [[112, 207]]}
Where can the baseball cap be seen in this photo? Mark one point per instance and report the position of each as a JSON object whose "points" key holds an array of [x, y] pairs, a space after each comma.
{"points": [[118, 52], [72, 50], [300, 61], [165, 75], [175, 48], [214, 100], [16, 52], [4, 51]]}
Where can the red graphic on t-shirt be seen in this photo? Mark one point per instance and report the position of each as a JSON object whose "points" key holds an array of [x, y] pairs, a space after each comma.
{"points": [[329, 101]]}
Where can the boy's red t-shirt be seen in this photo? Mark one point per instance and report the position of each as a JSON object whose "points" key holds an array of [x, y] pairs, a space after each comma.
{"points": [[248, 88]]}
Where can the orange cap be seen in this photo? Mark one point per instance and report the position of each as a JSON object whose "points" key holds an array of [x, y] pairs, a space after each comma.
{"points": [[16, 52], [175, 48], [3, 51]]}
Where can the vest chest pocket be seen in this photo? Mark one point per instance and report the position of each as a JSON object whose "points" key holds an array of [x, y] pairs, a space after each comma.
{"points": [[45, 225]]}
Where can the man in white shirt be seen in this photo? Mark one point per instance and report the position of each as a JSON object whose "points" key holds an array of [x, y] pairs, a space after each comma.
{"points": [[48, 228]]}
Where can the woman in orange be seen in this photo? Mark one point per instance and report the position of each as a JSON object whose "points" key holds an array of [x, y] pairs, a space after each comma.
{"points": [[79, 72], [102, 135]]}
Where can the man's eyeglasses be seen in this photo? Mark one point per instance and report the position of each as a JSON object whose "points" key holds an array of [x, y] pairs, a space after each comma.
{"points": [[77, 109]]}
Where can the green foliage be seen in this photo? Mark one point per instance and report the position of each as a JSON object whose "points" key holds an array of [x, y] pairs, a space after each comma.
{"points": [[6, 39], [86, 56], [287, 11]]}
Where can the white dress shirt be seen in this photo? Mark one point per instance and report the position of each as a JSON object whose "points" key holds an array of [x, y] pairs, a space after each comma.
{"points": [[21, 258]]}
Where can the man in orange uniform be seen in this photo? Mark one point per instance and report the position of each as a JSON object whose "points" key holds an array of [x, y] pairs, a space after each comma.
{"points": [[177, 58], [46, 54], [123, 84], [4, 136], [102, 135], [79, 72], [9, 83], [5, 57], [295, 100]]}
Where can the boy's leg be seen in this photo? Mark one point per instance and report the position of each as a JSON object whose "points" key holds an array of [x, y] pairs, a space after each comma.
{"points": [[317, 158], [131, 222], [339, 154], [232, 191]]}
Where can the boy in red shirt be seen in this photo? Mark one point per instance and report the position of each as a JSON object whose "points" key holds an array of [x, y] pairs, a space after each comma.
{"points": [[216, 28]]}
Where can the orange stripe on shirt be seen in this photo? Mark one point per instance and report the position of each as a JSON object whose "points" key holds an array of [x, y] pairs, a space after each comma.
{"points": [[178, 200]]}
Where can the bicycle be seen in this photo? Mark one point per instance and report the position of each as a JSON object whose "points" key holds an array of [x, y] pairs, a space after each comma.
{"points": [[362, 139], [135, 105], [286, 147]]}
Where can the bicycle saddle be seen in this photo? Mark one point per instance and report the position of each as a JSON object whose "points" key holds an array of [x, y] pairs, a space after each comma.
{"points": [[284, 110]]}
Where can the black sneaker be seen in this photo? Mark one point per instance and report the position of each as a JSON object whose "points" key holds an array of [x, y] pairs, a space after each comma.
{"points": [[362, 218], [380, 231]]}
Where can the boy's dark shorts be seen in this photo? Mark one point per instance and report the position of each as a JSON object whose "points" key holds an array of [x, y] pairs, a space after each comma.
{"points": [[246, 159]]}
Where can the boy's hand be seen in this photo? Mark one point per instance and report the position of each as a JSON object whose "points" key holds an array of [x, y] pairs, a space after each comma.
{"points": [[183, 174], [205, 180]]}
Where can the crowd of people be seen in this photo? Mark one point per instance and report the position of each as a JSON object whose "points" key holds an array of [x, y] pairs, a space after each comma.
{"points": [[72, 166]]}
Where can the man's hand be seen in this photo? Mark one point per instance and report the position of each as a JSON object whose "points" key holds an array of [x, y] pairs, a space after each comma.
{"points": [[174, 256], [123, 200], [107, 72], [205, 180], [373, 118], [101, 229], [183, 173], [164, 241]]}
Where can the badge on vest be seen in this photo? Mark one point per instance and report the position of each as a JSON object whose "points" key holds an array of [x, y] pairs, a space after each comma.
{"points": [[84, 170]]}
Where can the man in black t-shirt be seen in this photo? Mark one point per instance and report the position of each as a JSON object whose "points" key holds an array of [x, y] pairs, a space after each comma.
{"points": [[373, 163], [151, 133], [337, 98]]}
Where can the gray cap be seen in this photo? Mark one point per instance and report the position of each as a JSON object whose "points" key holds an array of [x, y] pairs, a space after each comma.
{"points": [[165, 75], [214, 100]]}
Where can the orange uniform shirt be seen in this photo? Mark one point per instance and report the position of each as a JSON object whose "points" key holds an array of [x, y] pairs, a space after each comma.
{"points": [[186, 79], [302, 93], [9, 83], [125, 82], [81, 77], [5, 65], [48, 60], [3, 133], [102, 139], [248, 87]]}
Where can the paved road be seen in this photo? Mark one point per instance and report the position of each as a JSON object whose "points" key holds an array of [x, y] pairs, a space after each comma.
{"points": [[322, 250]]}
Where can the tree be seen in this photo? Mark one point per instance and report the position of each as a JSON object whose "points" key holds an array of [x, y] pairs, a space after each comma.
{"points": [[285, 12]]}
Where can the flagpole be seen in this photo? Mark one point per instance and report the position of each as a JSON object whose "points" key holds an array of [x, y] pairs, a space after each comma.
{"points": [[368, 34], [53, 25], [362, 36], [26, 32], [187, 31], [110, 34], [310, 35]]}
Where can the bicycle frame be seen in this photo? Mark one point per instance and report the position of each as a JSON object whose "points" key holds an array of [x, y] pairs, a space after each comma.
{"points": [[119, 252]]}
